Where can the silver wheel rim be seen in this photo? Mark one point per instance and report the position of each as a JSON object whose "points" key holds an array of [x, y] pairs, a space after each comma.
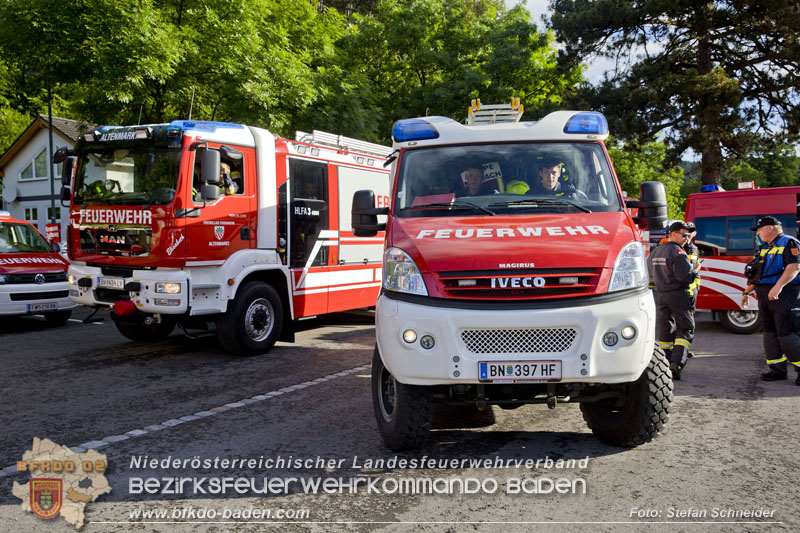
{"points": [[387, 395], [743, 319], [258, 319]]}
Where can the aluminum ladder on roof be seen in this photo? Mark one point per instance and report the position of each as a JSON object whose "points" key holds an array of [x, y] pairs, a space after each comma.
{"points": [[340, 142], [478, 114]]}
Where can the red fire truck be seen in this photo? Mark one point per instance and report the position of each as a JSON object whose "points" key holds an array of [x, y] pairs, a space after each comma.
{"points": [[202, 223], [529, 287], [726, 244]]}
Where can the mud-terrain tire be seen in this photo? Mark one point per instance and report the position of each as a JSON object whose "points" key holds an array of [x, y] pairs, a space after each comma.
{"points": [[253, 321], [58, 318], [404, 412], [141, 332], [740, 321], [641, 412]]}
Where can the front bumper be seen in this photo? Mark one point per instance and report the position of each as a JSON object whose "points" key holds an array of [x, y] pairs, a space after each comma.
{"points": [[146, 299], [34, 299], [567, 331]]}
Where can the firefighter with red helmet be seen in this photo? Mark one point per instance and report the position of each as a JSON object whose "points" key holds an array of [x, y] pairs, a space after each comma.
{"points": [[773, 275], [674, 275]]}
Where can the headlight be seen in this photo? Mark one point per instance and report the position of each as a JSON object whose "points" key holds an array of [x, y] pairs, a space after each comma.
{"points": [[630, 270], [401, 274], [163, 287]]}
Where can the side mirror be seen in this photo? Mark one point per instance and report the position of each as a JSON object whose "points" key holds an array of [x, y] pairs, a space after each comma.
{"points": [[60, 155], [364, 215], [66, 193], [211, 162], [209, 192], [651, 205], [55, 246], [67, 170]]}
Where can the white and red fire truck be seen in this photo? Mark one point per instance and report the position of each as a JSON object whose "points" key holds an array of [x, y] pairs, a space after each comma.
{"points": [[521, 293], [33, 276], [726, 243], [202, 223]]}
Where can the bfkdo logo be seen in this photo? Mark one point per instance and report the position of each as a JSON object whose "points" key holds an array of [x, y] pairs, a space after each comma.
{"points": [[46, 497]]}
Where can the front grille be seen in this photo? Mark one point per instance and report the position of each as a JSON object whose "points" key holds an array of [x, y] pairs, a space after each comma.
{"points": [[527, 340], [116, 271], [519, 283], [51, 277], [26, 296]]}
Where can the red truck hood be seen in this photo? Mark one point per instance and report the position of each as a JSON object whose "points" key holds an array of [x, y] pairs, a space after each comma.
{"points": [[439, 244], [25, 263]]}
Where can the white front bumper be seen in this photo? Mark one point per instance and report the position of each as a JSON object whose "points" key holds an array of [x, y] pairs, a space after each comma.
{"points": [[26, 295], [451, 361], [146, 299]]}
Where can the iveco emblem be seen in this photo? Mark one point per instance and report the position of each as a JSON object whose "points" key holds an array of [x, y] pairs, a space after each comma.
{"points": [[39, 278], [515, 283]]}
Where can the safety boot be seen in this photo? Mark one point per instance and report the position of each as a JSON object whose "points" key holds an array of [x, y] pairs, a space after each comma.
{"points": [[675, 368], [775, 375]]}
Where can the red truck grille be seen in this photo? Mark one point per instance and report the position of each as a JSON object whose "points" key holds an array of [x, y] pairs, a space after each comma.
{"points": [[519, 284]]}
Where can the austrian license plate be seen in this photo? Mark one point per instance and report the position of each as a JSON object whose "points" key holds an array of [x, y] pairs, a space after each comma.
{"points": [[519, 370], [32, 308], [111, 283]]}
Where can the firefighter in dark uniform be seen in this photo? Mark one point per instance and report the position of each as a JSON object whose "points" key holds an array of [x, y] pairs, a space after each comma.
{"points": [[773, 275], [673, 275], [693, 252]]}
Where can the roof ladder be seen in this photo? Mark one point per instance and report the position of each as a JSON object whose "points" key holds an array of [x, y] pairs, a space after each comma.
{"points": [[340, 142], [478, 114]]}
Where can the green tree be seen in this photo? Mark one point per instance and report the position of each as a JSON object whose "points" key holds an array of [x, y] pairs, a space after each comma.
{"points": [[710, 76], [636, 163], [431, 57]]}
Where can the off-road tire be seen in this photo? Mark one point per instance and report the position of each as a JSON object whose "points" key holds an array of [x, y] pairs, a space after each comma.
{"points": [[253, 322], [58, 318], [404, 412], [736, 321], [641, 412], [141, 332]]}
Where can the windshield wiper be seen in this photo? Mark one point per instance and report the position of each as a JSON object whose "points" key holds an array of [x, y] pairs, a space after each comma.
{"points": [[453, 205], [546, 201]]}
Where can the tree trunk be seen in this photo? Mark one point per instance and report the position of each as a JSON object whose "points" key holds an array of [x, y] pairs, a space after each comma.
{"points": [[708, 120]]}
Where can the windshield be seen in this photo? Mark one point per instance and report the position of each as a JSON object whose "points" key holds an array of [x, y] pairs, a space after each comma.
{"points": [[141, 175], [19, 238], [503, 179]]}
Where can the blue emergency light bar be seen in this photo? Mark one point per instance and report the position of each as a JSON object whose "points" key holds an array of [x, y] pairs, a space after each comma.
{"points": [[413, 129], [202, 125], [711, 188], [590, 122]]}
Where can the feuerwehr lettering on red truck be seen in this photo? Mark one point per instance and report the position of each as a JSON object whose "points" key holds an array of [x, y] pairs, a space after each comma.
{"points": [[116, 216], [467, 233], [30, 261]]}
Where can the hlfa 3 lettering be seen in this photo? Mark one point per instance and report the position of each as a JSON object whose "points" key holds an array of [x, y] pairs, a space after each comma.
{"points": [[488, 233], [307, 211]]}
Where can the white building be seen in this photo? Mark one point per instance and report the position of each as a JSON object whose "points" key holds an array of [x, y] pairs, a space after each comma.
{"points": [[26, 170]]}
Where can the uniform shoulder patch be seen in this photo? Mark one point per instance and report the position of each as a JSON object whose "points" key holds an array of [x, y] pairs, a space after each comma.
{"points": [[681, 252]]}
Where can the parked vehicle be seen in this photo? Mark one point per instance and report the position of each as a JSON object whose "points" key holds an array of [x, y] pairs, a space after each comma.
{"points": [[203, 223], [514, 295], [33, 276], [726, 244]]}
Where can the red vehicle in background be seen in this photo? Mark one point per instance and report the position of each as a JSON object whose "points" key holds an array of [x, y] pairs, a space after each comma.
{"points": [[726, 244]]}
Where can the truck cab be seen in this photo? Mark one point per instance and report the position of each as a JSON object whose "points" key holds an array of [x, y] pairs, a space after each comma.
{"points": [[33, 276], [513, 274]]}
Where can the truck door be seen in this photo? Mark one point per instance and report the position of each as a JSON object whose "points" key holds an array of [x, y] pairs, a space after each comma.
{"points": [[309, 236]]}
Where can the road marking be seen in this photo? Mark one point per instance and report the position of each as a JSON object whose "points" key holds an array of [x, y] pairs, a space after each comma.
{"points": [[98, 323], [172, 422]]}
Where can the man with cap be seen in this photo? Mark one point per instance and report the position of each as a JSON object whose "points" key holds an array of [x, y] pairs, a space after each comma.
{"points": [[673, 275], [693, 252], [776, 284]]}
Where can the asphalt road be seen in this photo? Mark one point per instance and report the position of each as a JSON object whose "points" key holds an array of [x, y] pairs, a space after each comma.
{"points": [[729, 445]]}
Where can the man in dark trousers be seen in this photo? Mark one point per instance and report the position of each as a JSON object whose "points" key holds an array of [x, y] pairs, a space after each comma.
{"points": [[775, 280], [673, 275], [693, 252]]}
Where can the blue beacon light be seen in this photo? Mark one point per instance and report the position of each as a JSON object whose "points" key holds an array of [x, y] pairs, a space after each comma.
{"points": [[413, 129], [590, 122]]}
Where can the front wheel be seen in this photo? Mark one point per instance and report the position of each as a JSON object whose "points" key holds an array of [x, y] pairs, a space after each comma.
{"points": [[740, 321], [404, 412], [140, 331], [640, 412], [253, 321]]}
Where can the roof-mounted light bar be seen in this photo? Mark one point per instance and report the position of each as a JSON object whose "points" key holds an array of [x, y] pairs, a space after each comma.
{"points": [[587, 122], [413, 129], [711, 188]]}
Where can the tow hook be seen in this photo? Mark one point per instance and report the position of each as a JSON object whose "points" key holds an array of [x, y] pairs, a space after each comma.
{"points": [[480, 401], [552, 400]]}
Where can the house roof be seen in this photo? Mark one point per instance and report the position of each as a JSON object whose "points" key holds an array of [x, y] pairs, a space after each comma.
{"points": [[68, 129]]}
